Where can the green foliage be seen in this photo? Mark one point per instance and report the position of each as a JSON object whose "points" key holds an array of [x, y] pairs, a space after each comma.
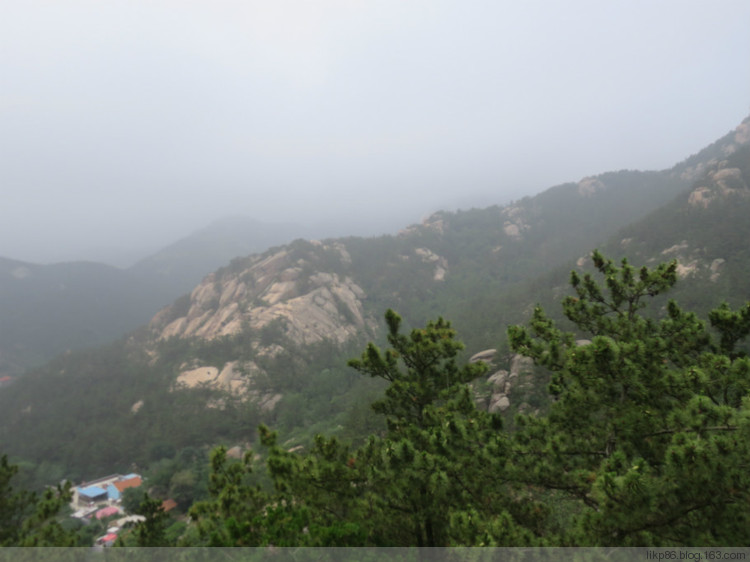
{"points": [[400, 488], [645, 443], [182, 488], [647, 440], [131, 499], [430, 374], [432, 465], [27, 519], [45, 418], [153, 531], [233, 515]]}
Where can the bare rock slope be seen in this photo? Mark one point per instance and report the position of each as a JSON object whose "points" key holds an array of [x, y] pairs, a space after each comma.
{"points": [[281, 296], [278, 286]]}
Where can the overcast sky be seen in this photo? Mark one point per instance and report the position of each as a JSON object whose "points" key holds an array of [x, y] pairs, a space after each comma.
{"points": [[132, 123]]}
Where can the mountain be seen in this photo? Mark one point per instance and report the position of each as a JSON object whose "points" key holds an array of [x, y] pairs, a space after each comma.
{"points": [[266, 337], [50, 309], [180, 266], [705, 229], [47, 309]]}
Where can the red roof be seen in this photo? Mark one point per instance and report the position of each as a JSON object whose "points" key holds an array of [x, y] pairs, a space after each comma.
{"points": [[168, 505], [129, 483], [106, 512], [6, 379]]}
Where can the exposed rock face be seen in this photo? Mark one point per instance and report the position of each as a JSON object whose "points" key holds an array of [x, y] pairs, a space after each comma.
{"points": [[675, 250], [312, 306], [196, 377], [514, 224], [700, 196], [692, 262], [502, 381], [282, 296], [441, 264], [487, 356], [719, 184], [589, 186], [434, 222], [512, 230], [731, 145], [235, 452], [499, 400]]}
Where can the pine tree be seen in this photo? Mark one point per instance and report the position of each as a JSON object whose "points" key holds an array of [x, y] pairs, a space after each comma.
{"points": [[27, 519], [152, 531], [430, 480], [234, 514], [647, 441]]}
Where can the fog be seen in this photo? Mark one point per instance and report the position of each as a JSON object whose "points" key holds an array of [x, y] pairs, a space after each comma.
{"points": [[125, 125]]}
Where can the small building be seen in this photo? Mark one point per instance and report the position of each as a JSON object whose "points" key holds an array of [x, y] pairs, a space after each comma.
{"points": [[108, 489], [107, 512], [84, 513], [107, 540], [168, 505], [129, 481], [113, 494], [91, 494]]}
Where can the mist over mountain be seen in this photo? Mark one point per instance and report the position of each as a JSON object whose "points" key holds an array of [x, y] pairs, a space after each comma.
{"points": [[385, 273], [49, 309], [266, 336]]}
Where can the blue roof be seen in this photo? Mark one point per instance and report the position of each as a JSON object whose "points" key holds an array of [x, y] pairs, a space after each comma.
{"points": [[92, 491], [131, 475], [112, 492]]}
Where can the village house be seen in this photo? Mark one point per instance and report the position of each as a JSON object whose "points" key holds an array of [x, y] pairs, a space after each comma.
{"points": [[102, 492]]}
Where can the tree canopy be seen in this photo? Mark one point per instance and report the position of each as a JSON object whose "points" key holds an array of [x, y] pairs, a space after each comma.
{"points": [[647, 439], [27, 519]]}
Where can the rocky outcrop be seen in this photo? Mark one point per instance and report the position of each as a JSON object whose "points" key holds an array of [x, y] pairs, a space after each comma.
{"points": [[434, 223], [441, 264], [280, 287], [228, 378], [501, 382], [692, 262], [514, 224], [488, 355], [237, 380], [589, 186], [720, 184], [299, 295], [728, 146], [718, 179]]}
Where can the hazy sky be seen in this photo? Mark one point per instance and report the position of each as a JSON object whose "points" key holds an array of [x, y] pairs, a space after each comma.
{"points": [[132, 123]]}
